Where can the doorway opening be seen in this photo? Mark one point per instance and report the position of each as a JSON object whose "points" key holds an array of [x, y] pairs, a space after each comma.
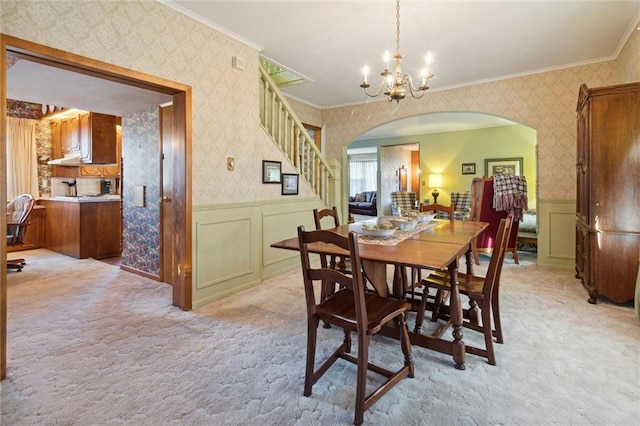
{"points": [[179, 223]]}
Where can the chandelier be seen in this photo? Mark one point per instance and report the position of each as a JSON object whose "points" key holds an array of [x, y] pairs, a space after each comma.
{"points": [[394, 84]]}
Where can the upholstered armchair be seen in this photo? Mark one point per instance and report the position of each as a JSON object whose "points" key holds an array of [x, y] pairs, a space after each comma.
{"points": [[461, 202], [402, 201], [482, 210]]}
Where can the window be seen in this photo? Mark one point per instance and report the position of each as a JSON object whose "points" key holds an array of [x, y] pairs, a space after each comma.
{"points": [[363, 170]]}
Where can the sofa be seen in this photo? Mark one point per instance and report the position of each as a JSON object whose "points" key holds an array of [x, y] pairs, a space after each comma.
{"points": [[364, 203]]}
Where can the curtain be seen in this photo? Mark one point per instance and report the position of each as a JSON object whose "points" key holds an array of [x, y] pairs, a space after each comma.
{"points": [[362, 175], [22, 158]]}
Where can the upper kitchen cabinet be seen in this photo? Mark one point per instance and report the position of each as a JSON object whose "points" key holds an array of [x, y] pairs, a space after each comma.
{"points": [[69, 136], [93, 139], [98, 142], [88, 135]]}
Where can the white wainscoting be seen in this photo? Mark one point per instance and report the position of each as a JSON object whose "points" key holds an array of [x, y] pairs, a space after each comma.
{"points": [[557, 237], [231, 244]]}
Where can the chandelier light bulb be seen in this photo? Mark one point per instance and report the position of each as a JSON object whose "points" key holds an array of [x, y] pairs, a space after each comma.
{"points": [[365, 73], [429, 58]]}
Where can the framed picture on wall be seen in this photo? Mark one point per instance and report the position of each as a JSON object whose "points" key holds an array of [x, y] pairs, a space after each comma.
{"points": [[289, 184], [271, 171], [468, 168], [507, 166]]}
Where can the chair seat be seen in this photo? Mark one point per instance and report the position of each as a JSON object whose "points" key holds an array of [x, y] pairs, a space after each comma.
{"points": [[339, 309], [467, 284]]}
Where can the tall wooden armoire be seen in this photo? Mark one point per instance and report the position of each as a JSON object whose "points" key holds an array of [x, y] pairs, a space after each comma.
{"points": [[608, 191]]}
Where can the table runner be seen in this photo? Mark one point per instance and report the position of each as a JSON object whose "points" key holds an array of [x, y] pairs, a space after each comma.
{"points": [[398, 236]]}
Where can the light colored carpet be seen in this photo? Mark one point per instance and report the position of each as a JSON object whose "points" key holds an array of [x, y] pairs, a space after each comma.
{"points": [[90, 344]]}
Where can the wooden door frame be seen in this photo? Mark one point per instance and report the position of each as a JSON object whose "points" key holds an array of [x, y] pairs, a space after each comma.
{"points": [[182, 291]]}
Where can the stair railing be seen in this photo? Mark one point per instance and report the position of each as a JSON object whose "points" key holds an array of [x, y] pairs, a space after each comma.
{"points": [[285, 129]]}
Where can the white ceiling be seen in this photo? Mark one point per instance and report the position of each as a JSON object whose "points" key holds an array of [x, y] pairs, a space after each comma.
{"points": [[471, 41], [330, 41], [42, 84]]}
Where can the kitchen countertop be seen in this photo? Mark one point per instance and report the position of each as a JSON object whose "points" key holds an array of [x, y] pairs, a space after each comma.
{"points": [[84, 198]]}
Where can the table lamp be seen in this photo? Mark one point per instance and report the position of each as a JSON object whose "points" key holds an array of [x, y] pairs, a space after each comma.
{"points": [[435, 182]]}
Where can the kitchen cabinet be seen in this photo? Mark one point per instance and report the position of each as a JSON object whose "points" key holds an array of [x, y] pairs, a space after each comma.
{"points": [[70, 136], [97, 138], [112, 171], [34, 234], [607, 202], [100, 171], [83, 228], [94, 133]]}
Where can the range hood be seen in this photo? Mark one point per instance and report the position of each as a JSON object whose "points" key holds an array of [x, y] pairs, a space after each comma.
{"points": [[67, 160]]}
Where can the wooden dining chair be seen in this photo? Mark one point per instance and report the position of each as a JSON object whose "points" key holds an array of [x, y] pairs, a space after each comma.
{"points": [[416, 273], [438, 208], [483, 292], [354, 310], [335, 262]]}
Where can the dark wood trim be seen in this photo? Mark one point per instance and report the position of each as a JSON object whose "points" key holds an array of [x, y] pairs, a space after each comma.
{"points": [[3, 208], [139, 272], [182, 291], [35, 52]]}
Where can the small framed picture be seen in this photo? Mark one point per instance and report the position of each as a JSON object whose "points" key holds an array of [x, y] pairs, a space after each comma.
{"points": [[289, 184], [271, 171], [468, 168]]}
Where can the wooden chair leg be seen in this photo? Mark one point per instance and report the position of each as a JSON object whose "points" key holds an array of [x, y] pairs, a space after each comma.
{"points": [[495, 309], [515, 255], [347, 341], [421, 309], [405, 344], [312, 334], [361, 380], [488, 333], [437, 304], [473, 312]]}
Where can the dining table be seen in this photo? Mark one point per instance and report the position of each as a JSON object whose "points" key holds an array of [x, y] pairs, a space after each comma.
{"points": [[436, 245]]}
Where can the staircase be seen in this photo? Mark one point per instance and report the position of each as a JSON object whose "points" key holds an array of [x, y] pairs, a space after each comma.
{"points": [[285, 129]]}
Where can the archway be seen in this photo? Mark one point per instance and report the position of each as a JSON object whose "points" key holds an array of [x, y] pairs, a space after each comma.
{"points": [[448, 142]]}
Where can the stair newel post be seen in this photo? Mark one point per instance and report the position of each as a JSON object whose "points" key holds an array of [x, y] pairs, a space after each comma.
{"points": [[334, 188]]}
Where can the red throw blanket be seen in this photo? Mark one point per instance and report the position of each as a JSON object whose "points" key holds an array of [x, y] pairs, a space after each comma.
{"points": [[510, 194]]}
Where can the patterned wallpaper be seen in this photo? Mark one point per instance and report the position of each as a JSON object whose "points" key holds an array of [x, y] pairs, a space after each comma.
{"points": [[546, 102], [141, 166], [167, 44], [306, 113], [628, 62], [164, 43]]}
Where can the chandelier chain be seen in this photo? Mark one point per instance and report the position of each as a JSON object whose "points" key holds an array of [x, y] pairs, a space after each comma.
{"points": [[398, 26]]}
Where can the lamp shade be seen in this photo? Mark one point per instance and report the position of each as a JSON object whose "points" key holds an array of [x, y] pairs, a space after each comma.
{"points": [[435, 180]]}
